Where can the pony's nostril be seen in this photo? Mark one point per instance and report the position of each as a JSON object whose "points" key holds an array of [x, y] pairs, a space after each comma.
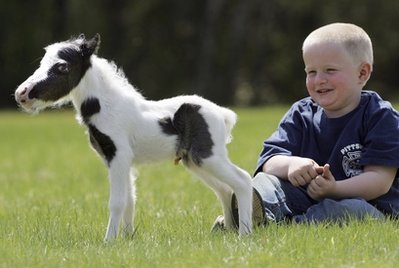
{"points": [[24, 91], [22, 95]]}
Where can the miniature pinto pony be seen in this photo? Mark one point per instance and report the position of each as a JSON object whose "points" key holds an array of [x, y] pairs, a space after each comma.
{"points": [[126, 129]]}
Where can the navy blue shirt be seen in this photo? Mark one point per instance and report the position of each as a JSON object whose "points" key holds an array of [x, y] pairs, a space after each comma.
{"points": [[369, 135]]}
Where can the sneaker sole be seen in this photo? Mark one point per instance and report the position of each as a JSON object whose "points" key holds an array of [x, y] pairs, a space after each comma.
{"points": [[258, 210]]}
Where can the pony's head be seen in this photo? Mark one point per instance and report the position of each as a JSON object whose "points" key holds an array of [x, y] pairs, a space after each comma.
{"points": [[61, 70]]}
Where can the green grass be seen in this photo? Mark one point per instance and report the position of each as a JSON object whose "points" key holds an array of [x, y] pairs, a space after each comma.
{"points": [[53, 209]]}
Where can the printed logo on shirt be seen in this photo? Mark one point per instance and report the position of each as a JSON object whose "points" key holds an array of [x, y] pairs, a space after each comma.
{"points": [[351, 158]]}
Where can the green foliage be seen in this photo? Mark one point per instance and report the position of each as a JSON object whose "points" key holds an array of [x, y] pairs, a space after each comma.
{"points": [[53, 209], [233, 52]]}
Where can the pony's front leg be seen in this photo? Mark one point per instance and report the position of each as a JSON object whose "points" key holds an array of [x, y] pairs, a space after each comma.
{"points": [[119, 185], [128, 215]]}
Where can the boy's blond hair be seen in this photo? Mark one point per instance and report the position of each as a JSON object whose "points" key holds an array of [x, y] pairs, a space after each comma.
{"points": [[354, 39]]}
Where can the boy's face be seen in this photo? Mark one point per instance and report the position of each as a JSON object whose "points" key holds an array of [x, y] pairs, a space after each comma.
{"points": [[333, 79]]}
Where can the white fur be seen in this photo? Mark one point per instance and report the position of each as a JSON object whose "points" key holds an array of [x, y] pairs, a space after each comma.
{"points": [[132, 123]]}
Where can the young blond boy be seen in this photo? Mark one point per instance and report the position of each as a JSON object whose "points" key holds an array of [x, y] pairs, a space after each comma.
{"points": [[335, 154]]}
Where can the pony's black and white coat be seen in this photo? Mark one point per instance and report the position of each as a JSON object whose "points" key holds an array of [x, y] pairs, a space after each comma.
{"points": [[125, 128]]}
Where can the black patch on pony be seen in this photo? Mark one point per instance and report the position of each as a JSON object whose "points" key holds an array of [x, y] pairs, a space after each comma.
{"points": [[101, 142], [74, 57], [88, 108], [167, 126], [194, 139], [62, 77]]}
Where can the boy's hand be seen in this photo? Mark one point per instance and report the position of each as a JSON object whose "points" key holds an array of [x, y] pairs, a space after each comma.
{"points": [[302, 171], [323, 185]]}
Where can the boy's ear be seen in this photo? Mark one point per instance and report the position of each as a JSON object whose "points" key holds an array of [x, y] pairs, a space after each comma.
{"points": [[91, 46], [365, 72]]}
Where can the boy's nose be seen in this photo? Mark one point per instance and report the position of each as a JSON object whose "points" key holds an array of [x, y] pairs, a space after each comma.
{"points": [[320, 78]]}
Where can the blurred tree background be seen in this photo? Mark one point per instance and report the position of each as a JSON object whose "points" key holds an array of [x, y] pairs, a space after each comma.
{"points": [[234, 52]]}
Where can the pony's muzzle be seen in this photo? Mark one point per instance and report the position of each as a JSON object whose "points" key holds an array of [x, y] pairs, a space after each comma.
{"points": [[22, 95]]}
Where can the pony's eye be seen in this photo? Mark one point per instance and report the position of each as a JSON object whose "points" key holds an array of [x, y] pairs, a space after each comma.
{"points": [[62, 68]]}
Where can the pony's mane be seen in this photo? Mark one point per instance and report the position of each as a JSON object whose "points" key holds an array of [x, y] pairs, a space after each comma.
{"points": [[114, 74]]}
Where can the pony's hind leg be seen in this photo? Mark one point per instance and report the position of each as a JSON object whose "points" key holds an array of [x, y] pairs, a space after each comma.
{"points": [[240, 182], [222, 191]]}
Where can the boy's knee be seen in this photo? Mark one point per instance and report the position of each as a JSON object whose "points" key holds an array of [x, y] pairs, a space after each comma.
{"points": [[358, 208], [331, 210], [267, 186], [273, 197]]}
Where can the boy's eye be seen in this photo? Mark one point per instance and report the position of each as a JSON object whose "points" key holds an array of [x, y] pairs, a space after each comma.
{"points": [[311, 72], [331, 70]]}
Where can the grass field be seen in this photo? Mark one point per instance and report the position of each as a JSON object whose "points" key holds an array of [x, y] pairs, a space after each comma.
{"points": [[53, 209]]}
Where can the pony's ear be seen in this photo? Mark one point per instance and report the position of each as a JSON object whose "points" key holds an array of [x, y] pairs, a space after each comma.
{"points": [[90, 47]]}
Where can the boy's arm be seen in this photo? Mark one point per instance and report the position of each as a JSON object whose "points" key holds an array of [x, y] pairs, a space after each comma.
{"points": [[373, 182], [298, 170]]}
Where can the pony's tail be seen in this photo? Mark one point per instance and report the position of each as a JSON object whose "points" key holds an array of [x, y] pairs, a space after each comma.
{"points": [[230, 119]]}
